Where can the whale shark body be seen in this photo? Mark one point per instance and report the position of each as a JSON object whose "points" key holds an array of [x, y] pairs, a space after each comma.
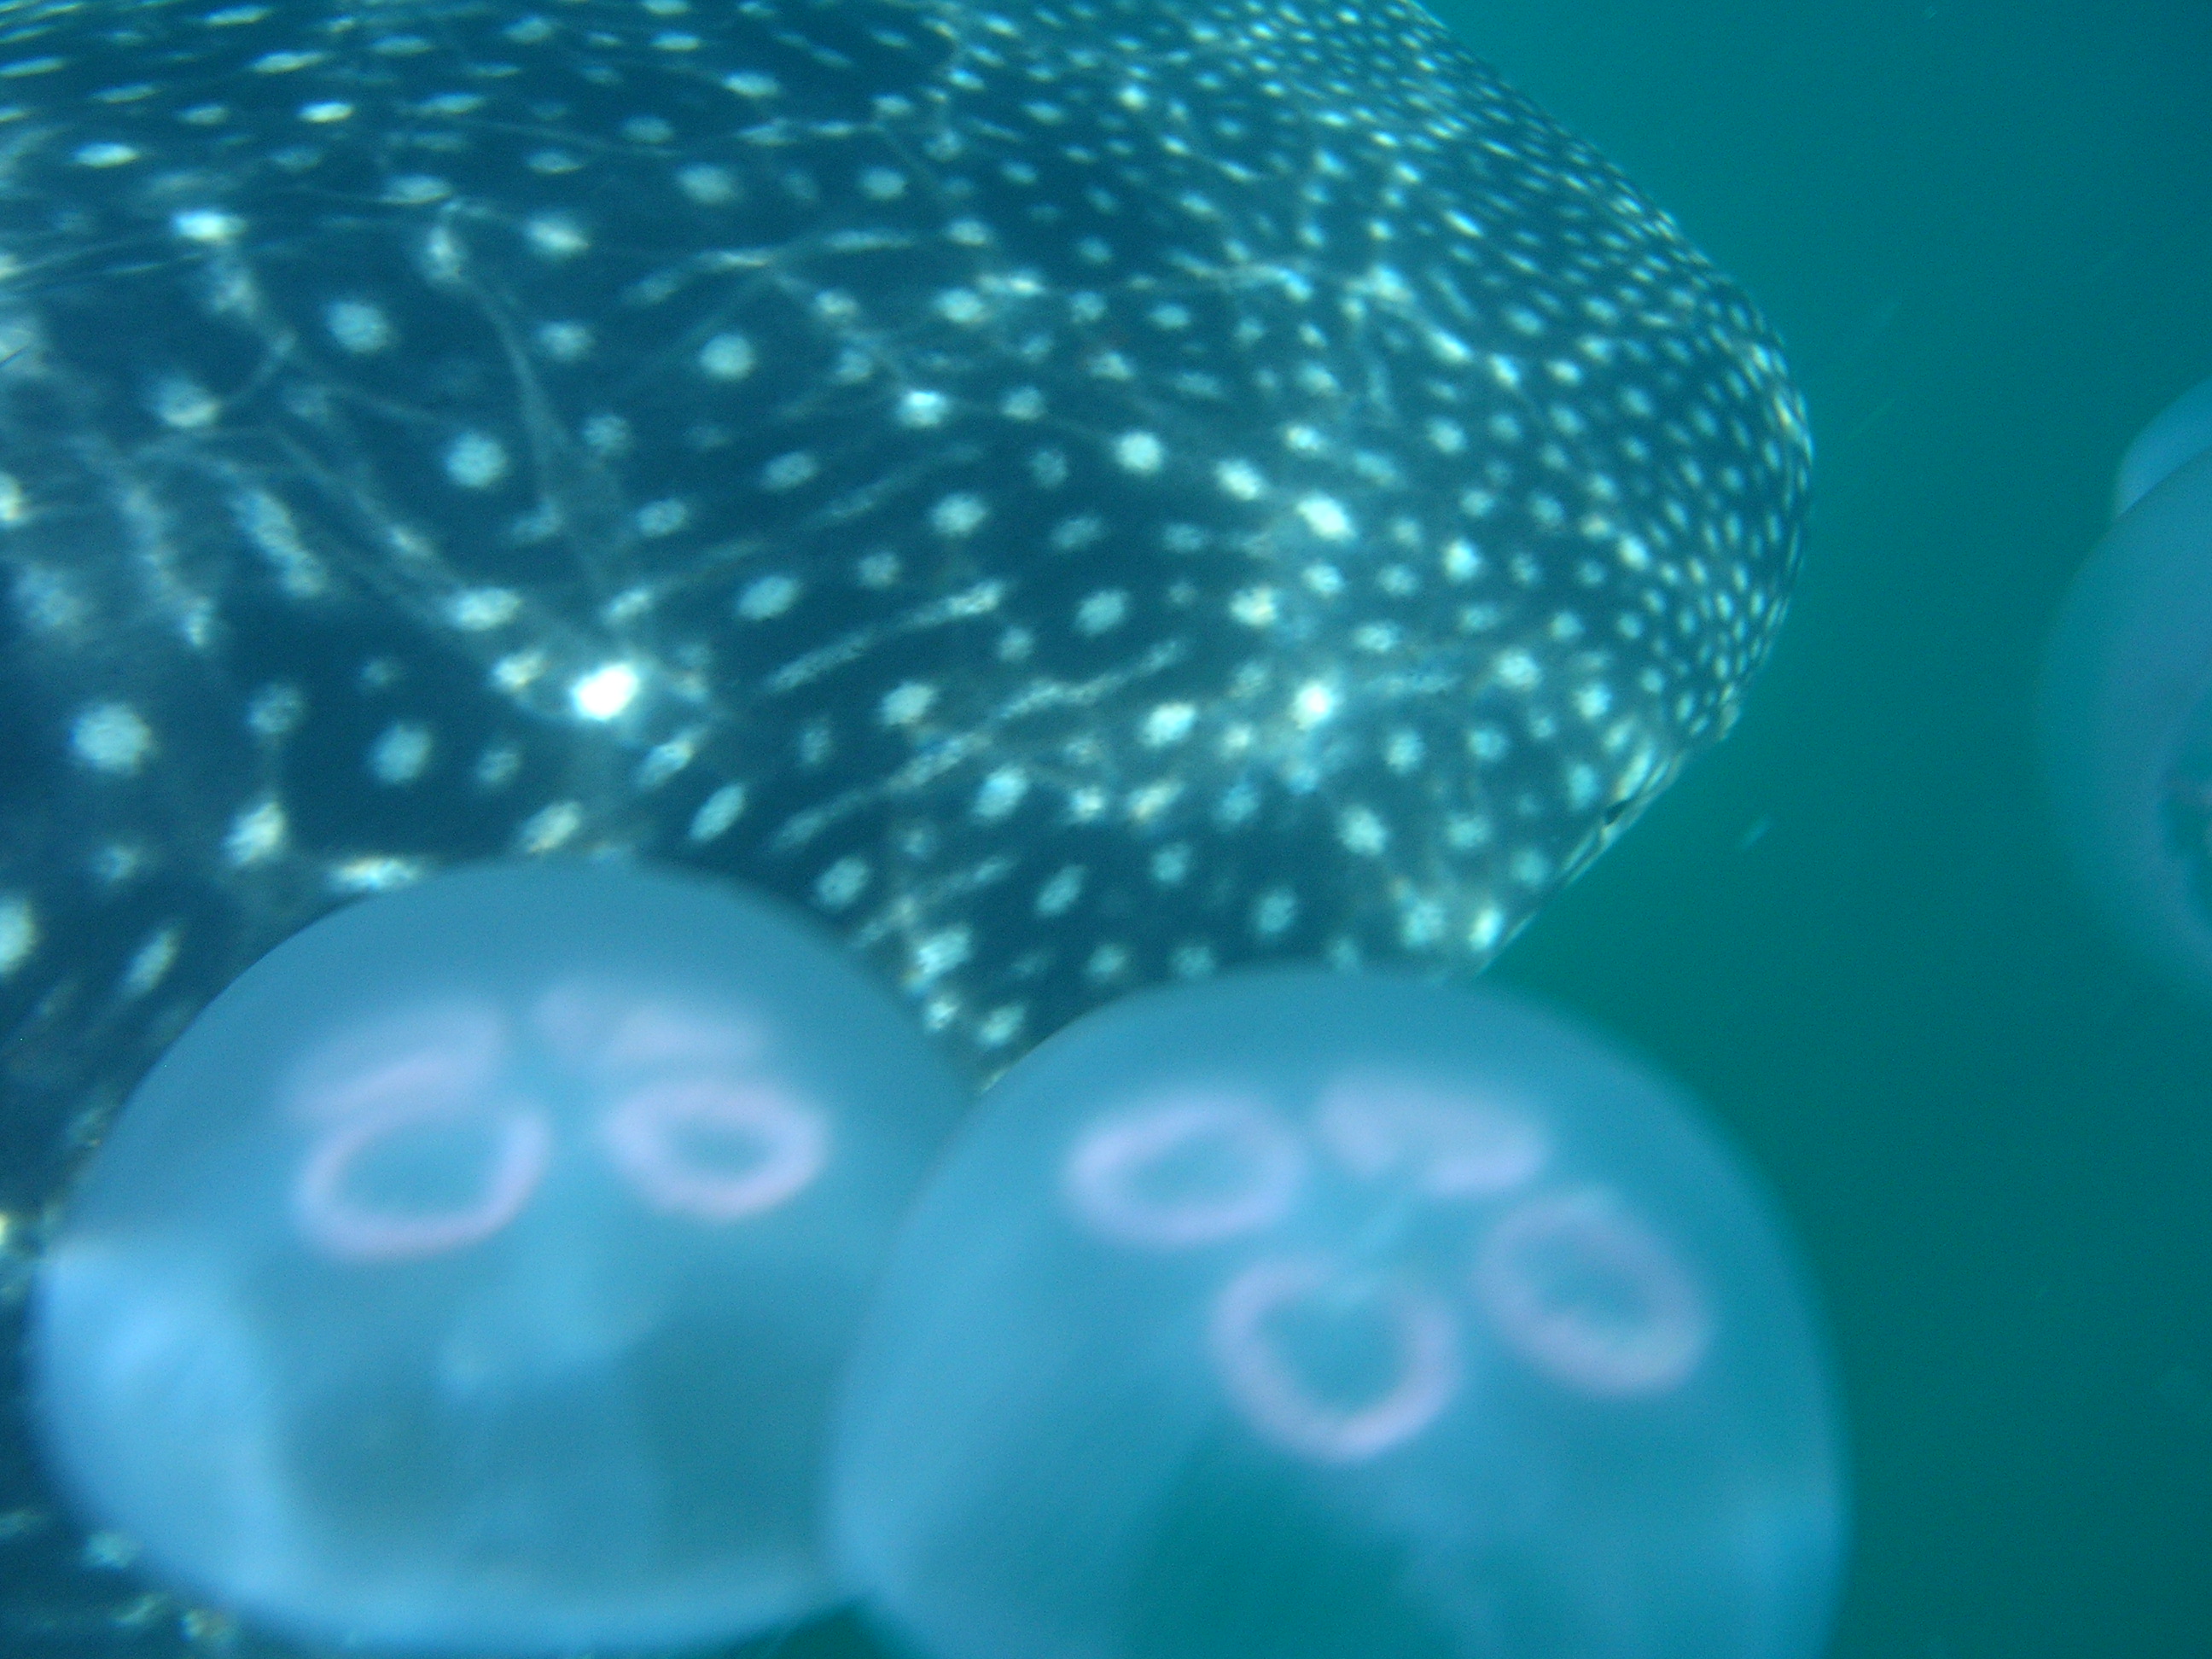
{"points": [[1074, 495]]}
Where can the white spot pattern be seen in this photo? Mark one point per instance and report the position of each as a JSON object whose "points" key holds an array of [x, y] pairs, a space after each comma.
{"points": [[970, 492]]}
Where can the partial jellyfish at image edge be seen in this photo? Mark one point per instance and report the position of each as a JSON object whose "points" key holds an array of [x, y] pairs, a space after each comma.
{"points": [[2125, 709]]}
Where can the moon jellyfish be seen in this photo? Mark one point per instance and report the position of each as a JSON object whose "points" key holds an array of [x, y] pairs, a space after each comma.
{"points": [[1296, 1315], [473, 1271], [2182, 432], [2127, 700]]}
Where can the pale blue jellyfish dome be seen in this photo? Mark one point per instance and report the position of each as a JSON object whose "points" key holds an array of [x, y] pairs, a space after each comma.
{"points": [[473, 1272], [2127, 700], [2182, 432], [1295, 1316]]}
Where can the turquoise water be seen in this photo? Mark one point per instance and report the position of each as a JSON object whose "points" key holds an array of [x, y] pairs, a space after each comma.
{"points": [[1985, 233]]}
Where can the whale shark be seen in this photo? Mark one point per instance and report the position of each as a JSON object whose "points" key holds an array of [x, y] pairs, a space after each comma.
{"points": [[1074, 494]]}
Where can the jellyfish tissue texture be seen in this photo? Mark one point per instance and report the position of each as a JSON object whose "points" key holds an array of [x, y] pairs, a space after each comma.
{"points": [[2126, 714], [473, 1273], [1297, 1314]]}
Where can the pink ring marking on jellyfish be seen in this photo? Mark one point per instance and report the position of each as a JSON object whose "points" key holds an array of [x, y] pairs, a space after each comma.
{"points": [[1280, 1405], [1449, 1143], [1587, 1295], [1105, 1176], [644, 1134], [350, 1230], [443, 1054]]}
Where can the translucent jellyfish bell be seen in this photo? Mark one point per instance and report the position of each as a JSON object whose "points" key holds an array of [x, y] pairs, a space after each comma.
{"points": [[1303, 1316], [2127, 700], [473, 1272], [2182, 432]]}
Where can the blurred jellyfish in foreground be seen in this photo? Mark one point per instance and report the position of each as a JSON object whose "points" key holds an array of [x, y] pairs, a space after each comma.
{"points": [[1296, 1315], [2127, 700], [474, 1272]]}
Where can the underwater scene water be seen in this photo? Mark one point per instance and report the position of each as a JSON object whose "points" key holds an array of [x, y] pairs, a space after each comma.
{"points": [[1043, 528]]}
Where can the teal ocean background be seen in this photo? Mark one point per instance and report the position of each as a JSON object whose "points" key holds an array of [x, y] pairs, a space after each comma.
{"points": [[1985, 233]]}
